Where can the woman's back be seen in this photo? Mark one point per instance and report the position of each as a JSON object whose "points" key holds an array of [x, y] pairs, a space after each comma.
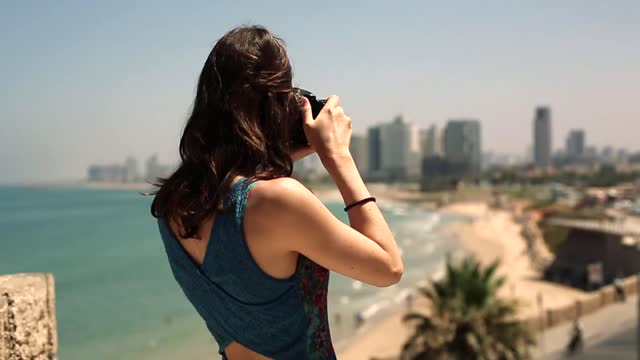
{"points": [[240, 302], [259, 277]]}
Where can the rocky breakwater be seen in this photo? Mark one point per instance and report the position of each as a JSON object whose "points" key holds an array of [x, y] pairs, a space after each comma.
{"points": [[27, 317]]}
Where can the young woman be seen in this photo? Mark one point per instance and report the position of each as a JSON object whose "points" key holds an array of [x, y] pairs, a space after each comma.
{"points": [[251, 247]]}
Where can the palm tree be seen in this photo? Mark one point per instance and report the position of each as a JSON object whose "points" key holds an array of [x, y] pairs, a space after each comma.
{"points": [[467, 318]]}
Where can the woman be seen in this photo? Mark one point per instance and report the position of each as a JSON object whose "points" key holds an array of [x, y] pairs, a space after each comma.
{"points": [[250, 246]]}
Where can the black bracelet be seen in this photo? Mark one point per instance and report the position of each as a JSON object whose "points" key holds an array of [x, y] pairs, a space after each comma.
{"points": [[360, 202]]}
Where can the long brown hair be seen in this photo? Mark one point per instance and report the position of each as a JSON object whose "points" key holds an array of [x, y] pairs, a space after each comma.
{"points": [[243, 113]]}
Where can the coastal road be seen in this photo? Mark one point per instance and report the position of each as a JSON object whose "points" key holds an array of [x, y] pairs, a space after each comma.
{"points": [[621, 346], [609, 334]]}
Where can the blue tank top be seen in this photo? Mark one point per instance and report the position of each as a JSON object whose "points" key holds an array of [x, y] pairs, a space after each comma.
{"points": [[278, 318]]}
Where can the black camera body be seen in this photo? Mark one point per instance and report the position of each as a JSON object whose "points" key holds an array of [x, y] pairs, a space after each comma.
{"points": [[298, 138]]}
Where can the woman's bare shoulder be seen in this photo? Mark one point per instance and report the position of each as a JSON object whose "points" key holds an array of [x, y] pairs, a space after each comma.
{"points": [[278, 209], [281, 201], [278, 191]]}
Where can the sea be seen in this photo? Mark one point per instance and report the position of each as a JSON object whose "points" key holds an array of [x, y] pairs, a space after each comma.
{"points": [[116, 297]]}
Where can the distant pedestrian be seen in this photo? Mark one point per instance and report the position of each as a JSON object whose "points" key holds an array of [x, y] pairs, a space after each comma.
{"points": [[618, 285], [576, 342], [358, 319]]}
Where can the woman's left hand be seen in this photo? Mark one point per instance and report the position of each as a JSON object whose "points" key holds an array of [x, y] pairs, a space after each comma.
{"points": [[301, 152]]}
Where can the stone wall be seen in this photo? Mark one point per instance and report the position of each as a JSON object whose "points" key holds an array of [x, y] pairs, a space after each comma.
{"points": [[27, 317], [594, 302]]}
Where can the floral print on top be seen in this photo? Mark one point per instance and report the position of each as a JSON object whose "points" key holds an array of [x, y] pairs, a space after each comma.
{"points": [[314, 283]]}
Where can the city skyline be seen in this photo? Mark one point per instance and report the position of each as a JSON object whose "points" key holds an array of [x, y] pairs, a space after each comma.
{"points": [[129, 172], [86, 83]]}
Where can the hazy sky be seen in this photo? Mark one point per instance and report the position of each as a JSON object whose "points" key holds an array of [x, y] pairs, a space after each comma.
{"points": [[82, 83]]}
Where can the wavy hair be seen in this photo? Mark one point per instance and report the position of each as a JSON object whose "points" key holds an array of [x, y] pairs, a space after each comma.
{"points": [[240, 124]]}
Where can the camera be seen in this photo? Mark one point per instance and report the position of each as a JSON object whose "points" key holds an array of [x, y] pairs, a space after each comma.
{"points": [[298, 138]]}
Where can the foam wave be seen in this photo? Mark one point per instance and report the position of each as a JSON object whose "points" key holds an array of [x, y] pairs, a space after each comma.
{"points": [[373, 309], [356, 285], [429, 248], [432, 221]]}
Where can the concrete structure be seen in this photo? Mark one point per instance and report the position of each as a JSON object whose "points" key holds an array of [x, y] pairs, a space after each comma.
{"points": [[607, 153], [622, 155], [437, 174], [542, 137], [27, 317], [393, 151], [463, 145], [131, 170], [107, 173], [576, 145], [400, 150], [153, 168], [374, 152], [431, 142], [156, 170], [128, 172], [360, 151], [594, 249]]}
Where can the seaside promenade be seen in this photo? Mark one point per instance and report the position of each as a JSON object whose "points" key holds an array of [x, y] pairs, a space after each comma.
{"points": [[609, 334], [496, 235]]}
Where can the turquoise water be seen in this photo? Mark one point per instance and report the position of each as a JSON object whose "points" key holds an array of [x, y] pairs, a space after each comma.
{"points": [[115, 295]]}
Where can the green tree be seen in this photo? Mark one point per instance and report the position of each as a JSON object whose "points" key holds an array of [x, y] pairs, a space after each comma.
{"points": [[467, 318]]}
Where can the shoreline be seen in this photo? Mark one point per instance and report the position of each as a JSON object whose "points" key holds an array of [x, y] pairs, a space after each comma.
{"points": [[496, 235], [326, 192], [490, 235], [97, 185], [382, 336]]}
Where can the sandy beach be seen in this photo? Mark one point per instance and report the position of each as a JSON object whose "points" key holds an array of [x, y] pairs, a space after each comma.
{"points": [[492, 235]]}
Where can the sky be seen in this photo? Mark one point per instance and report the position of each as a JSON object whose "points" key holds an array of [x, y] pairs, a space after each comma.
{"points": [[85, 82]]}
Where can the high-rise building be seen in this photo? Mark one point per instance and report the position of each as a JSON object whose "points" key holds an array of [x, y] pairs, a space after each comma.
{"points": [[153, 168], [542, 137], [575, 145], [114, 173], [360, 151], [607, 153], [415, 153], [463, 146], [431, 142], [131, 169], [622, 155], [374, 149], [400, 150], [156, 170]]}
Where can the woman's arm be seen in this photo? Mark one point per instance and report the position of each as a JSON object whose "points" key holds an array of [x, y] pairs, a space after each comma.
{"points": [[293, 219]]}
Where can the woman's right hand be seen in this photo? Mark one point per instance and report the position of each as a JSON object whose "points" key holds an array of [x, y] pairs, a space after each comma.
{"points": [[330, 133]]}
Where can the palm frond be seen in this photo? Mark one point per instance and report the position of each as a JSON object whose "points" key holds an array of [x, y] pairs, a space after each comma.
{"points": [[467, 318]]}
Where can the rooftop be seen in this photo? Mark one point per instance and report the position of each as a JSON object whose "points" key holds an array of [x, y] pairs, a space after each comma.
{"points": [[621, 228]]}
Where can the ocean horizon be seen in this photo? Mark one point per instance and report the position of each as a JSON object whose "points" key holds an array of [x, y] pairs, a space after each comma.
{"points": [[115, 295]]}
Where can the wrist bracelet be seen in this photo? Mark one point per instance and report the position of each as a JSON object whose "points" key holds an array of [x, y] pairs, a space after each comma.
{"points": [[360, 202]]}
